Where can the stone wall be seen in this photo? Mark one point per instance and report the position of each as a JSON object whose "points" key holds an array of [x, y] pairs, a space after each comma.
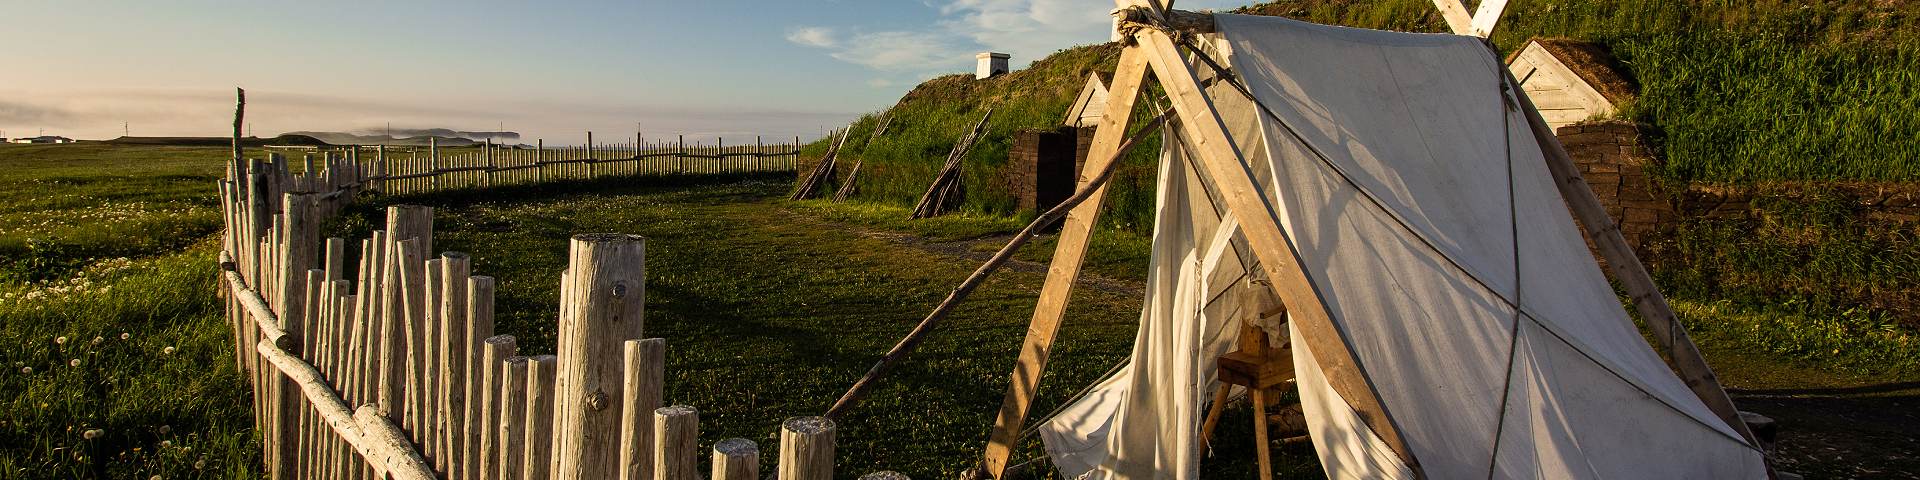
{"points": [[1613, 157]]}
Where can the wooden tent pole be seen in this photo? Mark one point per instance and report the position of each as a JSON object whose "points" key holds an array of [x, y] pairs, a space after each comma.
{"points": [[1626, 267], [1064, 269], [1220, 160]]}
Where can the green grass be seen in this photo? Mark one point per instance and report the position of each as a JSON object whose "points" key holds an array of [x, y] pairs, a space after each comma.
{"points": [[95, 242], [64, 206], [772, 309]]}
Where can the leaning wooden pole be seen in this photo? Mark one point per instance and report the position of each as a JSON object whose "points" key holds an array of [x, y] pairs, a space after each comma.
{"points": [[1063, 270], [239, 119], [1627, 269], [912, 341]]}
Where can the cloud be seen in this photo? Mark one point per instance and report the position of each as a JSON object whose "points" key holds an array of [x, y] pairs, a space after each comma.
{"points": [[1027, 29], [901, 51], [817, 37]]}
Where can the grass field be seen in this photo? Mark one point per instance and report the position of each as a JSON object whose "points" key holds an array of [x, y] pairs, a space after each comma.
{"points": [[771, 308], [117, 362]]}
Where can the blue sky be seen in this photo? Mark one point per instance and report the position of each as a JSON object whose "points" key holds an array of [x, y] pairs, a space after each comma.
{"points": [[550, 70]]}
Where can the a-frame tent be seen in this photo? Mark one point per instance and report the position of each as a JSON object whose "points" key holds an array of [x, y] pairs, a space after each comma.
{"points": [[1410, 210]]}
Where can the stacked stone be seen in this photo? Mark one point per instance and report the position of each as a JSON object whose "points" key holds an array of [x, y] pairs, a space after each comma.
{"points": [[1614, 160]]}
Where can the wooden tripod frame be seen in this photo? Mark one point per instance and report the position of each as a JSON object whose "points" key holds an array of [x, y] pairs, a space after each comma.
{"points": [[1219, 159]]}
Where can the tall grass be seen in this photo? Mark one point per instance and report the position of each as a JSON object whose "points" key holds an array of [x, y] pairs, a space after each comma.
{"points": [[1734, 92]]}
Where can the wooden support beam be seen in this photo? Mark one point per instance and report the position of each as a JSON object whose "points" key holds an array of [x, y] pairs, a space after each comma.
{"points": [[1221, 161], [1458, 20], [1487, 17], [1064, 269], [1633, 277]]}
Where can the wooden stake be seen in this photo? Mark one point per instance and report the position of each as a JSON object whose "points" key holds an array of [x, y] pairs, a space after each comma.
{"points": [[645, 373], [540, 389], [607, 291], [454, 349], [513, 422], [493, 357], [677, 432], [806, 449], [479, 326], [736, 459]]}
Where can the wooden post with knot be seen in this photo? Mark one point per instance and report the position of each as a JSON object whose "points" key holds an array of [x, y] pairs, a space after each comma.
{"points": [[605, 290]]}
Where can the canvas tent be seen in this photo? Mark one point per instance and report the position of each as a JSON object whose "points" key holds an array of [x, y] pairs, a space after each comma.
{"points": [[1445, 316]]}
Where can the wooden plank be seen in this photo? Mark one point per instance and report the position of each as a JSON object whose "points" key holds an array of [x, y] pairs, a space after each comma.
{"points": [[1633, 277], [1487, 17], [1064, 269], [1458, 20], [1220, 160]]}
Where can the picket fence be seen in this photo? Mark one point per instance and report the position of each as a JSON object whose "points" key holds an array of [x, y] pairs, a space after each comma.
{"points": [[392, 369], [410, 170]]}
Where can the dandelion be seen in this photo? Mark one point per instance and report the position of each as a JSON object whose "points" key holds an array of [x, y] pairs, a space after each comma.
{"points": [[26, 370], [125, 335], [93, 434], [59, 340], [97, 340], [165, 428], [166, 351], [74, 363], [199, 464], [166, 443]]}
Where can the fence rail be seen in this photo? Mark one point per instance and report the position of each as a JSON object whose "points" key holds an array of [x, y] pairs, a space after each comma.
{"points": [[410, 170], [390, 367]]}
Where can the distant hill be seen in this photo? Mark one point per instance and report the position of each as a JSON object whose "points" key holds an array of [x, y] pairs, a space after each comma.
{"points": [[343, 138], [283, 139]]}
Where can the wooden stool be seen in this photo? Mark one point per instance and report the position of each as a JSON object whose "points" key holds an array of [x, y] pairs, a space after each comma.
{"points": [[1259, 367]]}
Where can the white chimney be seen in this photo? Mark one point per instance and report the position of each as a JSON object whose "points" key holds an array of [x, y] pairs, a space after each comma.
{"points": [[990, 64]]}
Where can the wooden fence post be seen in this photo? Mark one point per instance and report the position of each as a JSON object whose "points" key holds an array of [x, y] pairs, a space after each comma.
{"points": [[513, 418], [453, 348], [736, 459], [606, 285], [676, 432], [479, 326], [645, 373], [394, 350], [493, 358], [539, 442], [806, 449]]}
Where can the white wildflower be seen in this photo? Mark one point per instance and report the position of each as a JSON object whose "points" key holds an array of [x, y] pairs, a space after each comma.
{"points": [[199, 464], [125, 335], [166, 351], [74, 363], [93, 434], [59, 340], [26, 370], [97, 340], [165, 428]]}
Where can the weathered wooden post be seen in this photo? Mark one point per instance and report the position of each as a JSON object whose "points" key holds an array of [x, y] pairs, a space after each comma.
{"points": [[493, 358], [479, 326], [539, 442], [452, 354], [513, 418], [645, 373], [676, 434], [736, 459], [606, 282], [806, 449], [433, 162], [592, 161], [426, 361], [394, 375]]}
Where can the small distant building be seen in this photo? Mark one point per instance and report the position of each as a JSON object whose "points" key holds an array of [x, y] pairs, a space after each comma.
{"points": [[1568, 80], [1091, 106], [990, 64], [42, 139]]}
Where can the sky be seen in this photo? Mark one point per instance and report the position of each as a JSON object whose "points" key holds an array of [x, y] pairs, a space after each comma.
{"points": [[548, 70]]}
